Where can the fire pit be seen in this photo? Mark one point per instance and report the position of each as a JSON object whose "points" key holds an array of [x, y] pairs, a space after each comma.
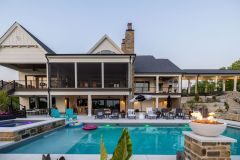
{"points": [[206, 127]]}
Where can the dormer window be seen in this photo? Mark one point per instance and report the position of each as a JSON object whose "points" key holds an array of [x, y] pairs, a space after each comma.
{"points": [[106, 52]]}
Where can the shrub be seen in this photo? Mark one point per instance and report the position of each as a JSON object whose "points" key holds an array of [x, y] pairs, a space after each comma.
{"points": [[123, 150]]}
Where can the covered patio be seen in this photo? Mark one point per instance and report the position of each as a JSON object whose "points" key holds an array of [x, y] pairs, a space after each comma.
{"points": [[193, 76]]}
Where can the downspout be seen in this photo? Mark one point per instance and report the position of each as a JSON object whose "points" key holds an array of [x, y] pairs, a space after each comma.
{"points": [[48, 88]]}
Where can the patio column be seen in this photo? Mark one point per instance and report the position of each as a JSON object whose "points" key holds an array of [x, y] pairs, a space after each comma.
{"points": [[235, 84], [156, 102], [189, 86], [102, 71], [216, 80], [89, 105], [224, 85], [75, 70], [180, 84], [196, 85], [157, 84]]}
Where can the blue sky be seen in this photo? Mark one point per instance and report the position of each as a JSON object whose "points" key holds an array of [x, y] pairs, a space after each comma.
{"points": [[191, 33]]}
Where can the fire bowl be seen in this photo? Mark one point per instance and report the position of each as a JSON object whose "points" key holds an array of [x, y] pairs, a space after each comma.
{"points": [[208, 129]]}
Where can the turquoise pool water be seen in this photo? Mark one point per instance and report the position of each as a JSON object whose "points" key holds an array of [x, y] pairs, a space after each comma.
{"points": [[165, 140]]}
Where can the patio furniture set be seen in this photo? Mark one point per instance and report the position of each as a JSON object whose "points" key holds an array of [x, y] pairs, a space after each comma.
{"points": [[149, 114]]}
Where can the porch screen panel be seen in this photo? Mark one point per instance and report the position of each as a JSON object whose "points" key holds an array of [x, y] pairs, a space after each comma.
{"points": [[89, 75], [62, 75], [115, 75]]}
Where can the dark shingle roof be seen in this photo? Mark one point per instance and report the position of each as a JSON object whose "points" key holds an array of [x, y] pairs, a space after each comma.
{"points": [[210, 71], [149, 64], [46, 48]]}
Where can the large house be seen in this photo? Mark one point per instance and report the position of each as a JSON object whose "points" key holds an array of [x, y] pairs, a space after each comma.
{"points": [[106, 76]]}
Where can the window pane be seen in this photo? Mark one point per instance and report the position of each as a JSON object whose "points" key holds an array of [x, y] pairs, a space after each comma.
{"points": [[62, 75]]}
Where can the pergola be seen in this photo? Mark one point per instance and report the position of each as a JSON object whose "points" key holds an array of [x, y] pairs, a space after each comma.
{"points": [[211, 74]]}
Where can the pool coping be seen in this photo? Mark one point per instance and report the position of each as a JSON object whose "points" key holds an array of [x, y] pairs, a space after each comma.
{"points": [[89, 157], [43, 121]]}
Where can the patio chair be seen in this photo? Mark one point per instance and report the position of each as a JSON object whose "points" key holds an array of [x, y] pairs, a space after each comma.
{"points": [[70, 115], [114, 115], [56, 114], [179, 113], [131, 114], [150, 114], [99, 114], [164, 112]]}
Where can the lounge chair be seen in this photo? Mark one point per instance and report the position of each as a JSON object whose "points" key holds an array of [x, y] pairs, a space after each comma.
{"points": [[99, 114], [131, 114], [70, 115], [114, 115], [150, 114], [56, 114]]}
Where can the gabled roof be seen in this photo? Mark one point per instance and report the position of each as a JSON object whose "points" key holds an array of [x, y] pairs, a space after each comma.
{"points": [[40, 43], [105, 37], [149, 64], [210, 71]]}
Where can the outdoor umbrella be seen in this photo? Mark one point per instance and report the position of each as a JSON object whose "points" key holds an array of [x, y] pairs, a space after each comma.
{"points": [[140, 98], [169, 102]]}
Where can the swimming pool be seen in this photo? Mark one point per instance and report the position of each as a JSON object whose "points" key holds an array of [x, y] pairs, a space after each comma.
{"points": [[150, 140]]}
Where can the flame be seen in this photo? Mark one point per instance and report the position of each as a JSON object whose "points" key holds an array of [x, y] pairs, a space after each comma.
{"points": [[199, 118], [211, 116], [197, 115]]}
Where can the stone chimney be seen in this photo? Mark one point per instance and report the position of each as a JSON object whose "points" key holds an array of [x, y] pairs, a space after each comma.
{"points": [[123, 45], [128, 42]]}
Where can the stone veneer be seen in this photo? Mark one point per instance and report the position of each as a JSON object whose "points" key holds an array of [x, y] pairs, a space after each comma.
{"points": [[29, 132], [196, 149]]}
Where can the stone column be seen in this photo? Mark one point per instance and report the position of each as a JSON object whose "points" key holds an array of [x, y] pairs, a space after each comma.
{"points": [[157, 84], [156, 102], [102, 72], [75, 71], [180, 84], [196, 85], [224, 85], [189, 86], [216, 81], [89, 105], [235, 84], [204, 148]]}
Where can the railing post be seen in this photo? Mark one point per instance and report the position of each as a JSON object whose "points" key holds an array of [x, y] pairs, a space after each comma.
{"points": [[14, 84]]}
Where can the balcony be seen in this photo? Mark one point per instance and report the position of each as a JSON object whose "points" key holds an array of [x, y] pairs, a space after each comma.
{"points": [[153, 90], [30, 85]]}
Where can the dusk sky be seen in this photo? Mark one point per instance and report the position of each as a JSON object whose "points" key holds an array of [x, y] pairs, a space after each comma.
{"points": [[191, 33]]}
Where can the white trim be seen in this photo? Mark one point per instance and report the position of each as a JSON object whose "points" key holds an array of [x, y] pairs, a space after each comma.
{"points": [[155, 74], [75, 71], [73, 93], [102, 74], [101, 41]]}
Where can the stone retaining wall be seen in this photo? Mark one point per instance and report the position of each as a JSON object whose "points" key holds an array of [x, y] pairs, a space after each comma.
{"points": [[26, 133], [195, 150]]}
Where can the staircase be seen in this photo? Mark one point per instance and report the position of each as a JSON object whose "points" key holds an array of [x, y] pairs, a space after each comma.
{"points": [[9, 87]]}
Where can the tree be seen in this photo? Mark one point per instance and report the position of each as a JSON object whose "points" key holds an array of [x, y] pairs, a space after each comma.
{"points": [[4, 101]]}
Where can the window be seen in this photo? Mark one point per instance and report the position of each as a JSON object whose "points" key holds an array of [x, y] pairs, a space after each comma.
{"points": [[160, 86], [37, 102], [106, 103], [115, 75], [142, 86], [89, 75], [62, 75]]}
